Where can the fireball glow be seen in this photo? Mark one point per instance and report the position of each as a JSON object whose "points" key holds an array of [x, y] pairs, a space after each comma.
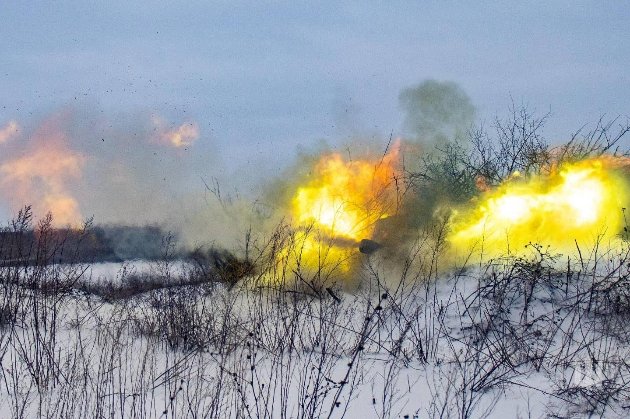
{"points": [[340, 205], [346, 199], [581, 202], [42, 174]]}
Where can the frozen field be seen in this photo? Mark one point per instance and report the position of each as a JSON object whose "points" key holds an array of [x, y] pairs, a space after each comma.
{"points": [[517, 338]]}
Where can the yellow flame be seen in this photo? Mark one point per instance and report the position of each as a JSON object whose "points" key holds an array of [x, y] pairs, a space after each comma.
{"points": [[345, 199], [580, 202], [337, 207]]}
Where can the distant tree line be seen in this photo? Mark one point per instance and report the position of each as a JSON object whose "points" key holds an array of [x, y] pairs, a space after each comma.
{"points": [[113, 243]]}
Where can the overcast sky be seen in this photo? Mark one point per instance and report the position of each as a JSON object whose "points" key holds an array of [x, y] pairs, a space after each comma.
{"points": [[262, 79]]}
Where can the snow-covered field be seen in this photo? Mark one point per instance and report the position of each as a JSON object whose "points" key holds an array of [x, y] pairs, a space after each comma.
{"points": [[520, 337]]}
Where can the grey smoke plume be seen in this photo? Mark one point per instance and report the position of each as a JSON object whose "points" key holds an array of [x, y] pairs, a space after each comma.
{"points": [[133, 173], [436, 111]]}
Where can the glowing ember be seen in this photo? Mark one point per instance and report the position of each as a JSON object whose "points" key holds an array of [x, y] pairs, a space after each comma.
{"points": [[580, 202]]}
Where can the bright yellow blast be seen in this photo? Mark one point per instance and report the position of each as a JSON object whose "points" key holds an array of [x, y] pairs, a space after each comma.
{"points": [[345, 199], [339, 206], [580, 202]]}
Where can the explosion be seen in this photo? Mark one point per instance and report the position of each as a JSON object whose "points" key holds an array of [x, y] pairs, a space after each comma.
{"points": [[579, 203], [130, 163], [345, 199], [338, 206], [41, 174]]}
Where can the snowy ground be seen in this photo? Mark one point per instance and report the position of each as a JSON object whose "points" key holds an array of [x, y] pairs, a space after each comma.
{"points": [[534, 337]]}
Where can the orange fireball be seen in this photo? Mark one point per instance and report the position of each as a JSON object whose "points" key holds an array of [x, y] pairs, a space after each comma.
{"points": [[344, 199], [338, 205], [40, 176]]}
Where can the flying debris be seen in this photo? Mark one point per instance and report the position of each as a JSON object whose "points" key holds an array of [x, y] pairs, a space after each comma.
{"points": [[368, 247]]}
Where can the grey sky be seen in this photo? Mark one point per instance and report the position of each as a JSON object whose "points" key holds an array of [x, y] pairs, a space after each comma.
{"points": [[262, 79]]}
